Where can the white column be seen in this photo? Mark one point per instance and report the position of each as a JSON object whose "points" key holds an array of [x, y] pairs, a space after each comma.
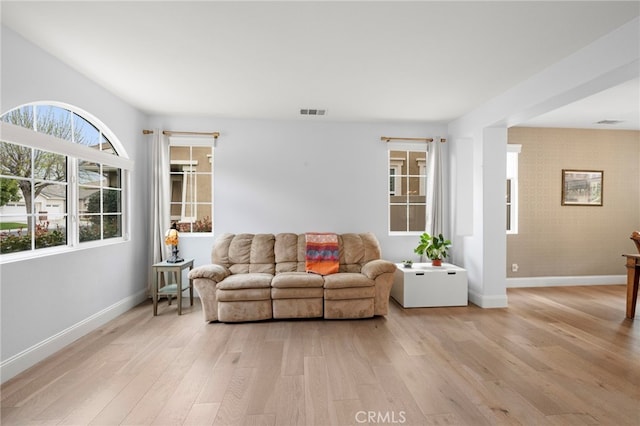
{"points": [[494, 242]]}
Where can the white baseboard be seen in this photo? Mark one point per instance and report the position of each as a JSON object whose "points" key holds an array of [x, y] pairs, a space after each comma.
{"points": [[566, 281], [502, 301], [36, 353], [487, 301]]}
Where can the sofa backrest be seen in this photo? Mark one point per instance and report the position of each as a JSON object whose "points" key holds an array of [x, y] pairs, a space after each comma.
{"points": [[356, 250], [285, 252], [244, 253]]}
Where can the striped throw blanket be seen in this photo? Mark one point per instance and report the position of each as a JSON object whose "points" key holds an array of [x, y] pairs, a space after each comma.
{"points": [[322, 255]]}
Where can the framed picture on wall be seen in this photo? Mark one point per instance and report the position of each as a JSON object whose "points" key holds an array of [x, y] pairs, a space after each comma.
{"points": [[582, 187]]}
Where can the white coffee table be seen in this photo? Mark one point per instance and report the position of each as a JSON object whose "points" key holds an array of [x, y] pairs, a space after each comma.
{"points": [[424, 285]]}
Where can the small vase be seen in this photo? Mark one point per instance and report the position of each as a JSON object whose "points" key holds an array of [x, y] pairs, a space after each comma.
{"points": [[436, 262]]}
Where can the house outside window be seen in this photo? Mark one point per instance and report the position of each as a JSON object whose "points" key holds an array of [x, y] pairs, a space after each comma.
{"points": [[99, 201], [62, 182], [407, 191], [191, 177]]}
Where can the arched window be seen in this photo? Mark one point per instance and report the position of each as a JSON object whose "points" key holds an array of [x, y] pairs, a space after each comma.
{"points": [[62, 181]]}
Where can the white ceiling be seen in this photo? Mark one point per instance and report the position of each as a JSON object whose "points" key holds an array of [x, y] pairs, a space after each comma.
{"points": [[620, 103], [393, 61]]}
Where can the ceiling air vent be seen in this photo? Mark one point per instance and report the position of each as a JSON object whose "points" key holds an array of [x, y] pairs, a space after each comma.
{"points": [[312, 111], [609, 122]]}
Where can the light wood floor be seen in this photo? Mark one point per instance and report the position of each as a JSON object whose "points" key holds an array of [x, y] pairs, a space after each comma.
{"points": [[558, 356]]}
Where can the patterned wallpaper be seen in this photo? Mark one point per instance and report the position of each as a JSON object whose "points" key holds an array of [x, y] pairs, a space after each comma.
{"points": [[556, 240]]}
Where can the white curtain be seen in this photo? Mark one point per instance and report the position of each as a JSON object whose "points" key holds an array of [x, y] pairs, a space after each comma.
{"points": [[435, 194], [160, 198]]}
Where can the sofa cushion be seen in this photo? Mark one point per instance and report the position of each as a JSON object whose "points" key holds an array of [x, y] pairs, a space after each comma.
{"points": [[298, 308], [238, 295], [356, 250], [349, 293], [297, 293], [220, 250], [342, 309], [262, 257], [371, 247], [247, 310], [286, 247], [240, 248], [290, 252], [241, 281], [351, 249], [251, 253], [297, 279], [347, 279]]}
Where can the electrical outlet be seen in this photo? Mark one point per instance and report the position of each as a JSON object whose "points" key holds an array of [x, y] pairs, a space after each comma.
{"points": [[514, 267]]}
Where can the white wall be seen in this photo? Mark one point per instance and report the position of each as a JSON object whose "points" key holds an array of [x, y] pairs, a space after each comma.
{"points": [[300, 175], [47, 302]]}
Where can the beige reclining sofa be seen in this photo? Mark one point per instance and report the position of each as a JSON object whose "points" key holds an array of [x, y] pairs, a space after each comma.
{"points": [[262, 276]]}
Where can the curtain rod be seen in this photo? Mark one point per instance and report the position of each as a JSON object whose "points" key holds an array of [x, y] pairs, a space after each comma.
{"points": [[173, 132], [390, 138]]}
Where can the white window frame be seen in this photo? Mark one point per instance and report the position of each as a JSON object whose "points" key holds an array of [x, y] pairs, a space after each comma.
{"points": [[41, 141], [395, 165], [73, 152], [186, 166], [513, 154], [192, 141], [422, 169], [392, 163]]}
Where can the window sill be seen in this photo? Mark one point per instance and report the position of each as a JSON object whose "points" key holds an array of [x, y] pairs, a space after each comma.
{"points": [[405, 234], [53, 251]]}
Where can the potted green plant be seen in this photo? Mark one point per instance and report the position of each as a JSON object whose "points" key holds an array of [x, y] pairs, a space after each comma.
{"points": [[407, 263], [434, 247]]}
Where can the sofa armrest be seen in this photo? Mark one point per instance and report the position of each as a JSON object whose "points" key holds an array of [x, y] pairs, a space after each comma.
{"points": [[382, 272], [378, 267], [205, 279], [214, 272]]}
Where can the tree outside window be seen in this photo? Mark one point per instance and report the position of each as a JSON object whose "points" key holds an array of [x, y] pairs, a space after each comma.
{"points": [[35, 188]]}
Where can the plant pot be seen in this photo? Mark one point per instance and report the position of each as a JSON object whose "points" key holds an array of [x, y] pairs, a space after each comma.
{"points": [[436, 262]]}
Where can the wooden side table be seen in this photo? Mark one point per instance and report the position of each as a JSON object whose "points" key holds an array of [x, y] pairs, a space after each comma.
{"points": [[633, 277], [174, 289]]}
